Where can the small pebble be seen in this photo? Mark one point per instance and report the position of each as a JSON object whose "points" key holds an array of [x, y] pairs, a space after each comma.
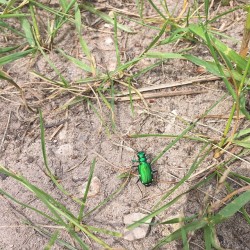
{"points": [[94, 188], [108, 41], [77, 178], [139, 232]]}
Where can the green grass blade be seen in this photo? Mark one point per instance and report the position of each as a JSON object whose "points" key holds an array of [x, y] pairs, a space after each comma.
{"points": [[5, 76], [118, 57], [147, 69], [179, 219], [192, 227], [218, 45], [8, 49], [47, 234], [198, 160], [232, 208], [241, 177], [9, 5], [208, 237], [48, 170], [35, 28], [77, 62], [63, 4], [51, 64], [91, 171], [212, 68], [184, 239], [52, 240], [179, 33], [156, 39], [9, 27], [157, 9], [109, 105], [2, 192], [206, 9], [103, 16], [56, 208], [169, 204], [160, 55], [6, 16], [104, 231], [28, 31], [43, 144], [15, 56], [78, 23], [106, 200]]}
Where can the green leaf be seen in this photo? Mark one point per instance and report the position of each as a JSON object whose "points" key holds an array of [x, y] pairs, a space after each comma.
{"points": [[28, 31], [77, 62], [80, 216], [8, 49], [12, 57], [52, 240], [104, 16]]}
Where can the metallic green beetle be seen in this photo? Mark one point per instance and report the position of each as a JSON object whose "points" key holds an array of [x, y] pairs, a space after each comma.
{"points": [[144, 168]]}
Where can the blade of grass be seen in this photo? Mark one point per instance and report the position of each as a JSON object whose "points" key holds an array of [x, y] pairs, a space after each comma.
{"points": [[47, 234], [118, 57], [106, 200], [169, 204], [48, 170], [4, 171], [8, 49], [51, 64], [228, 211], [9, 27], [108, 105], [91, 171], [198, 160], [156, 39], [28, 31], [35, 26], [6, 16], [184, 239], [157, 9], [15, 56], [77, 62], [85, 49], [103, 16], [9, 5], [211, 41], [52, 241], [208, 237]]}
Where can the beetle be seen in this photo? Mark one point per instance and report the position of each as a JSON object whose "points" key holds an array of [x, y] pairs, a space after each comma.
{"points": [[146, 174]]}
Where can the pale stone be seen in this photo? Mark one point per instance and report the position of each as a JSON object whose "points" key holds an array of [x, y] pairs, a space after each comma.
{"points": [[94, 188], [139, 232]]}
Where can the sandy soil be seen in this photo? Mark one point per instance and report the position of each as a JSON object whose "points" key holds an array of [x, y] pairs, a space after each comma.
{"points": [[83, 138]]}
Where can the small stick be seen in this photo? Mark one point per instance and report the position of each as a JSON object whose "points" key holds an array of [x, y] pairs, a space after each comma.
{"points": [[56, 132], [160, 94], [221, 117], [172, 84]]}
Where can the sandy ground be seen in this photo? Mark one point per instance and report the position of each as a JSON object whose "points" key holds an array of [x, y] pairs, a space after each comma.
{"points": [[82, 138]]}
